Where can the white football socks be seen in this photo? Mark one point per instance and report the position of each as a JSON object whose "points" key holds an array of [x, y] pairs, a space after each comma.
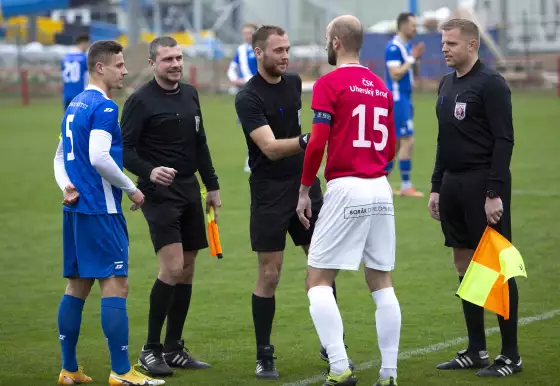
{"points": [[406, 185], [388, 324], [328, 323]]}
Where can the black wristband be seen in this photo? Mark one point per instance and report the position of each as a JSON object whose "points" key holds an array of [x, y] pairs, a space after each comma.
{"points": [[303, 140]]}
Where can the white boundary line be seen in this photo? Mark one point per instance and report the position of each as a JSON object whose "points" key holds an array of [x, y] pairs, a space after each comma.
{"points": [[534, 193], [433, 348], [515, 192]]}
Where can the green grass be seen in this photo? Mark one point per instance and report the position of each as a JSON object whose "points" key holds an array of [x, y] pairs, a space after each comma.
{"points": [[219, 326]]}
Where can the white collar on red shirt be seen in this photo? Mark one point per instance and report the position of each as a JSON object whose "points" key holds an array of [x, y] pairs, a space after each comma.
{"points": [[352, 65]]}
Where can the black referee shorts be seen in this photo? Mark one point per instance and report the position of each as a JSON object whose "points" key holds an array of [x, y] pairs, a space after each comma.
{"points": [[273, 213], [461, 207], [175, 214]]}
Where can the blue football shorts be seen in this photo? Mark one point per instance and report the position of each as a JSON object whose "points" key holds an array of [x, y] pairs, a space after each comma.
{"points": [[403, 113], [95, 246]]}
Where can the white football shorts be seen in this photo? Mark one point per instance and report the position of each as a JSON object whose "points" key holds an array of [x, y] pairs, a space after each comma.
{"points": [[356, 224]]}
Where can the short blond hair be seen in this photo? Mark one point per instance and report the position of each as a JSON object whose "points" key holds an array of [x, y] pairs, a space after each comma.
{"points": [[466, 28], [253, 26]]}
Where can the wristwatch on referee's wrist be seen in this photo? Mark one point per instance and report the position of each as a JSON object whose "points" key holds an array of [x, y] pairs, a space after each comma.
{"points": [[492, 194]]}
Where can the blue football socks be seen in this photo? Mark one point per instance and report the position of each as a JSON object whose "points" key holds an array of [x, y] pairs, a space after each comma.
{"points": [[69, 321], [405, 165], [114, 321]]}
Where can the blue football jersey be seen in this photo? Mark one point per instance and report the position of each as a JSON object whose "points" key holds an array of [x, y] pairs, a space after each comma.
{"points": [[246, 61], [396, 53], [74, 72], [91, 110]]}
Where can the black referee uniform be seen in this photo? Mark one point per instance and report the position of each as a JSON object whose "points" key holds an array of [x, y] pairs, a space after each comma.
{"points": [[165, 128], [275, 185], [474, 148]]}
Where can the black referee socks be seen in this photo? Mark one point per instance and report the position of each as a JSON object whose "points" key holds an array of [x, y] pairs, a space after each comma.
{"points": [[508, 328], [474, 318], [263, 316], [160, 298], [177, 313]]}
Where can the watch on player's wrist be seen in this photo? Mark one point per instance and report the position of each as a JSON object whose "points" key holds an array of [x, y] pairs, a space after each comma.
{"points": [[492, 194]]}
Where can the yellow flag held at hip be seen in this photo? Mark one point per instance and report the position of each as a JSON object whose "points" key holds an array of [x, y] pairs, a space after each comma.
{"points": [[495, 261]]}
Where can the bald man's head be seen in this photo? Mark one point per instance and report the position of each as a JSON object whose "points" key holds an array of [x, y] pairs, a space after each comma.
{"points": [[349, 31], [344, 33]]}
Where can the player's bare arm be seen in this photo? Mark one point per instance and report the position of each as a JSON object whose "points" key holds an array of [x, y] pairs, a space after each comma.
{"points": [[303, 209], [396, 72], [273, 148], [312, 162]]}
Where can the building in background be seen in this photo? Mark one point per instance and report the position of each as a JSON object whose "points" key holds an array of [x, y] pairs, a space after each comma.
{"points": [[35, 34], [305, 20]]}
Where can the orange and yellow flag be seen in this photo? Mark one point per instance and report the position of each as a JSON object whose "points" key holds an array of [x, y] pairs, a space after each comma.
{"points": [[214, 236], [213, 231], [495, 261]]}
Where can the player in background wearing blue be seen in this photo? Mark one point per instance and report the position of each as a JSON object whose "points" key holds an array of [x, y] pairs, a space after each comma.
{"points": [[74, 70], [244, 65], [88, 169], [400, 57]]}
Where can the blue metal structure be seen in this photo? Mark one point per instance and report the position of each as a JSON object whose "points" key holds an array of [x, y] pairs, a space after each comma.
{"points": [[413, 6], [30, 7]]}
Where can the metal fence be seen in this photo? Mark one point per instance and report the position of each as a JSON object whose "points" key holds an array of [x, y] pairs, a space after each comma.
{"points": [[30, 72]]}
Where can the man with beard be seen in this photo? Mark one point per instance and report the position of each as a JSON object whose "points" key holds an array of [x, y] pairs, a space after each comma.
{"points": [[353, 112], [269, 108], [400, 58], [164, 145]]}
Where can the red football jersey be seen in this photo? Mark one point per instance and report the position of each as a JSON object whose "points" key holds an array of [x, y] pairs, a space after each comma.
{"points": [[362, 136]]}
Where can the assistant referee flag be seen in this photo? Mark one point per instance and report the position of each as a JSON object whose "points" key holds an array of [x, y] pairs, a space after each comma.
{"points": [[495, 261], [213, 231]]}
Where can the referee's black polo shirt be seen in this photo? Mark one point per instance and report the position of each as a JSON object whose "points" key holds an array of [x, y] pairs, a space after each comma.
{"points": [[474, 149], [475, 129], [275, 184], [278, 105], [165, 128]]}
